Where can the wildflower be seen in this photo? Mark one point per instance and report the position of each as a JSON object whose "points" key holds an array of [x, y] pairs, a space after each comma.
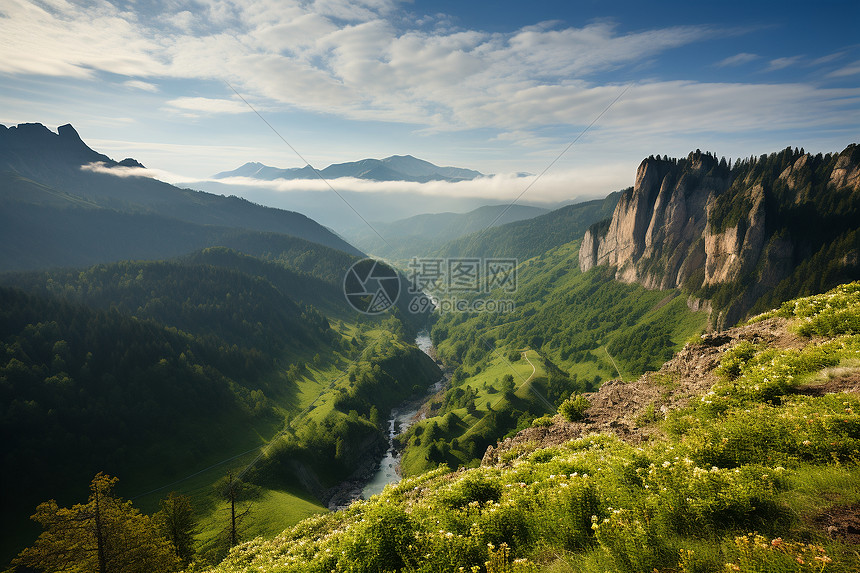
{"points": [[776, 542]]}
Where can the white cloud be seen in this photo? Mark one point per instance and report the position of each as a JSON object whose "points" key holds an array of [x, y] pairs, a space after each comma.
{"points": [[354, 10], [827, 59], [124, 172], [139, 85], [737, 60], [591, 181], [183, 20], [849, 70], [62, 39], [207, 106], [561, 185], [782, 63]]}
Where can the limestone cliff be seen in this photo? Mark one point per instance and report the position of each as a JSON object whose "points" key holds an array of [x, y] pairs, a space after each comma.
{"points": [[701, 224]]}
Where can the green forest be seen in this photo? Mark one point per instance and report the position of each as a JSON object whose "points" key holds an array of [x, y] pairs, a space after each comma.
{"points": [[153, 370]]}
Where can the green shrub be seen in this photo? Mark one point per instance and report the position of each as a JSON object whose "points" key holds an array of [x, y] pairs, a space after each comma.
{"points": [[380, 541], [757, 554], [573, 409], [690, 500], [735, 358], [542, 422], [562, 518], [475, 486], [506, 522], [630, 537]]}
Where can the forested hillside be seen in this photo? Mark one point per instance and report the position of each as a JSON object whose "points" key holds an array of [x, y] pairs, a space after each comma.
{"points": [[424, 234], [525, 239], [154, 370], [64, 204]]}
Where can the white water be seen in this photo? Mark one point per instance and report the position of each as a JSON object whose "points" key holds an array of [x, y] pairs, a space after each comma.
{"points": [[398, 422]]}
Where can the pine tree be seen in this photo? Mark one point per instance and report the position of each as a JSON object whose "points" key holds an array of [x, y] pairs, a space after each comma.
{"points": [[176, 523], [105, 535]]}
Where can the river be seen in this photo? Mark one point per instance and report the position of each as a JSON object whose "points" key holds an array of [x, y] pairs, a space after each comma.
{"points": [[399, 421]]}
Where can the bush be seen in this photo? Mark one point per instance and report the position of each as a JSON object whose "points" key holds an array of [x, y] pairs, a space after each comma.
{"points": [[753, 552], [630, 538], [380, 541], [573, 409], [474, 487], [563, 518]]}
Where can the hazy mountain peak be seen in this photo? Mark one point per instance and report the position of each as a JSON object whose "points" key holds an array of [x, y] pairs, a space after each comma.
{"points": [[69, 133], [65, 148], [130, 162], [393, 168]]}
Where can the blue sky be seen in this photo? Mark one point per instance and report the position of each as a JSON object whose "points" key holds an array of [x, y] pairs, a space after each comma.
{"points": [[501, 87]]}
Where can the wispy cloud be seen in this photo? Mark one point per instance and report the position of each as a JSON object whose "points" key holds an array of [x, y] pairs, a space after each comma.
{"points": [[782, 63], [555, 186], [737, 60], [330, 56], [62, 39], [205, 106], [124, 172], [826, 59], [140, 85], [591, 181], [849, 70]]}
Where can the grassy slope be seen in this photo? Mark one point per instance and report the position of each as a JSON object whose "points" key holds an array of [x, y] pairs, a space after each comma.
{"points": [[747, 478]]}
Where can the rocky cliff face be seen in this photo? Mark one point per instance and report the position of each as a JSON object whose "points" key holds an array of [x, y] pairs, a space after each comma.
{"points": [[655, 236], [699, 223]]}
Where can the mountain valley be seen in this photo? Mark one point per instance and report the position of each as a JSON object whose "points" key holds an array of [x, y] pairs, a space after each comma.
{"points": [[199, 344]]}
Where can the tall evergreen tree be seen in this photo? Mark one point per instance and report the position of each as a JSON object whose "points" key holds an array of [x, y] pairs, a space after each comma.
{"points": [[176, 523], [105, 535]]}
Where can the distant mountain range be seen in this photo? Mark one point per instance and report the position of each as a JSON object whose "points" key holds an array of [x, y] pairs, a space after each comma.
{"points": [[54, 212], [394, 168]]}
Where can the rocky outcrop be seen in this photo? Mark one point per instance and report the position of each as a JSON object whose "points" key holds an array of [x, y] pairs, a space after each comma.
{"points": [[734, 251], [698, 223], [846, 172], [655, 234]]}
